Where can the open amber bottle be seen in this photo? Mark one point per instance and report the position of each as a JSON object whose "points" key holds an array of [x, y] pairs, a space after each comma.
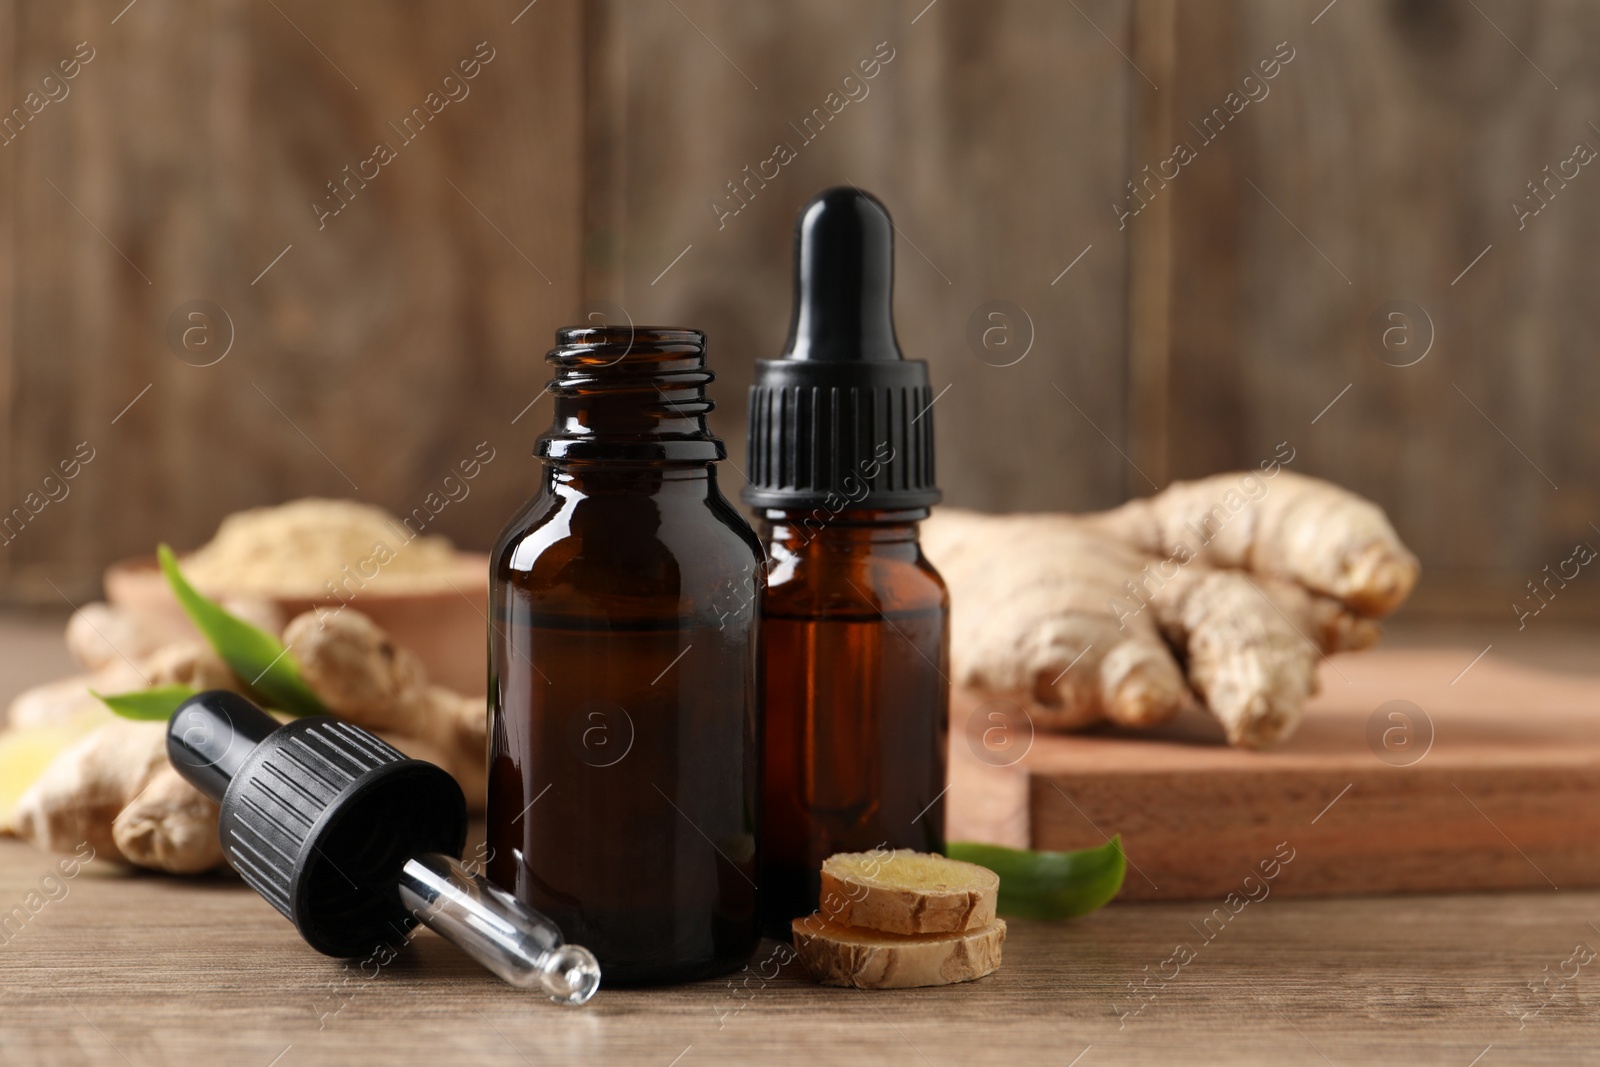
{"points": [[855, 619], [624, 670]]}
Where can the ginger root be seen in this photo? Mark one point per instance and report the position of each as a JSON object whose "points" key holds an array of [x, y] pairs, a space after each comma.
{"points": [[82, 791], [1302, 530], [169, 826], [69, 700], [192, 663], [100, 635], [1247, 580], [25, 752], [363, 677], [116, 790]]}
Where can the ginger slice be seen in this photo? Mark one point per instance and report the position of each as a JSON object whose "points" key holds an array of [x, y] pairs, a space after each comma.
{"points": [[867, 959], [87, 784], [25, 752], [907, 892]]}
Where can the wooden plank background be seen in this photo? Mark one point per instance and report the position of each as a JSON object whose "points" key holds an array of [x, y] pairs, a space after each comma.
{"points": [[1383, 162], [373, 356], [578, 177]]}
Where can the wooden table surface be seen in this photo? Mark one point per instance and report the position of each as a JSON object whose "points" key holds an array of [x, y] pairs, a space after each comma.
{"points": [[142, 969]]}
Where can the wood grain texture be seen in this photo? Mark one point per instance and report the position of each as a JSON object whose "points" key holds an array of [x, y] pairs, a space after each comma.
{"points": [[374, 355], [1383, 162], [1150, 277], [1493, 784], [1222, 320], [148, 970], [8, 59]]}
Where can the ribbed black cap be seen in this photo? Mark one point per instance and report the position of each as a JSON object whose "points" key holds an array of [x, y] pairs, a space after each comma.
{"points": [[318, 816], [842, 420]]}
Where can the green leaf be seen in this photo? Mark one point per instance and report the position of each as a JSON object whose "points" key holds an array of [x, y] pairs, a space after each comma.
{"points": [[150, 705], [255, 656], [1049, 885]]}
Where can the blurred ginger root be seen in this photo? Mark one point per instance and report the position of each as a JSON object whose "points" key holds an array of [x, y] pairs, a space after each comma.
{"points": [[107, 781], [1224, 592]]}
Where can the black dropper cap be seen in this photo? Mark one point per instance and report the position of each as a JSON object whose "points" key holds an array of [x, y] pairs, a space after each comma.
{"points": [[318, 816], [842, 421]]}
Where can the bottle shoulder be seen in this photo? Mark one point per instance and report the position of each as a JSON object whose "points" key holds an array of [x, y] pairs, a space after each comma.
{"points": [[567, 548]]}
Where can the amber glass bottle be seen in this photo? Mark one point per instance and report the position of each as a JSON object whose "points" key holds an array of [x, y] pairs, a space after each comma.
{"points": [[854, 626], [854, 617], [624, 670]]}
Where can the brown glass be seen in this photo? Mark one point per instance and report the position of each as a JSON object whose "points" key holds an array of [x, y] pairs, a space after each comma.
{"points": [[855, 623], [624, 671]]}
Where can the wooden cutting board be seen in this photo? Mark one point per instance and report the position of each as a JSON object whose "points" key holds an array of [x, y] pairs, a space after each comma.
{"points": [[1487, 779]]}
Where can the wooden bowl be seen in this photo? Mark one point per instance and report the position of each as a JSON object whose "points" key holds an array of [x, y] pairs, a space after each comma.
{"points": [[446, 628]]}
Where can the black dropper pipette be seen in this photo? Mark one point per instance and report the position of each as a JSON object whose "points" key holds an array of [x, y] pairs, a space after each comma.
{"points": [[842, 420], [355, 843]]}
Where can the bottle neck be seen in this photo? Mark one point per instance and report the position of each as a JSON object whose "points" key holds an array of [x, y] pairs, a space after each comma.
{"points": [[630, 395]]}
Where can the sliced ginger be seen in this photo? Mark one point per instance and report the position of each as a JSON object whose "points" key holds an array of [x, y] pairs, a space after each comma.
{"points": [[868, 959], [906, 892], [25, 752], [80, 793], [893, 920]]}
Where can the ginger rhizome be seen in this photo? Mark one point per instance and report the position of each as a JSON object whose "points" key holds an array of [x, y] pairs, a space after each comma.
{"points": [[1225, 592], [113, 787]]}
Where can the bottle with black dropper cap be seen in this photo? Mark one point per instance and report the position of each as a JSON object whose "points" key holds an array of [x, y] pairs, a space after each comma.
{"points": [[855, 618]]}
